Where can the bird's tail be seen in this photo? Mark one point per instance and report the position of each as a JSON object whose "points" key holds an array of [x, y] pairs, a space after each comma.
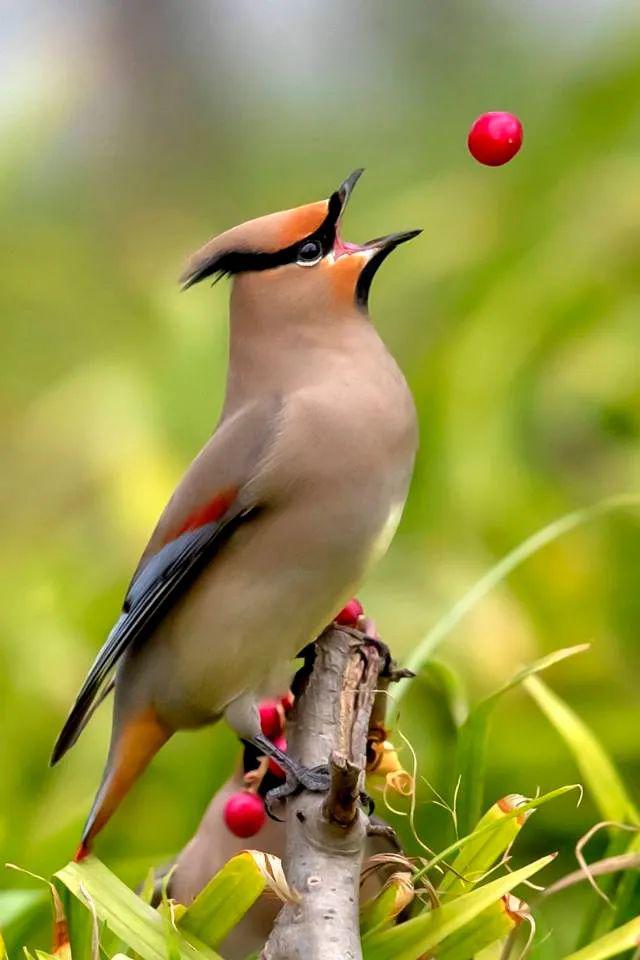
{"points": [[134, 744], [75, 723]]}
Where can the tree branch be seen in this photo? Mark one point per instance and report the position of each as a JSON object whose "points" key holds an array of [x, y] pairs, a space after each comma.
{"points": [[326, 833]]}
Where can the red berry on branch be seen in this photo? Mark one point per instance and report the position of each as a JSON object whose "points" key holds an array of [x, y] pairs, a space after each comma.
{"points": [[244, 814], [348, 616], [270, 718], [287, 701], [495, 138], [274, 766]]}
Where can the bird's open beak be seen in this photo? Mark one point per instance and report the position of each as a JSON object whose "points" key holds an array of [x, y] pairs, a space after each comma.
{"points": [[345, 189], [379, 245]]}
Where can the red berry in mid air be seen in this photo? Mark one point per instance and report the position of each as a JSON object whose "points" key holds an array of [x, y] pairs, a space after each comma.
{"points": [[270, 718], [495, 138], [274, 766], [348, 616], [244, 813]]}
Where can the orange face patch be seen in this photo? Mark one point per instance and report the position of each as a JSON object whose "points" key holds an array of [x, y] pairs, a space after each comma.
{"points": [[344, 275], [300, 222]]}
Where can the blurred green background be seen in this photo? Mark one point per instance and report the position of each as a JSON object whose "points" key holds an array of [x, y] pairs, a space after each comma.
{"points": [[132, 131]]}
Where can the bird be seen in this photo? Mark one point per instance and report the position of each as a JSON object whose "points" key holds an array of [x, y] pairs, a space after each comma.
{"points": [[273, 527]]}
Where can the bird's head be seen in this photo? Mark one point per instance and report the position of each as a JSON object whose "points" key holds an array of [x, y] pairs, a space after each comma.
{"points": [[296, 258]]}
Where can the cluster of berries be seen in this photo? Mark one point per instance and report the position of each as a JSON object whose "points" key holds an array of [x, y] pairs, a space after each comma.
{"points": [[244, 812]]}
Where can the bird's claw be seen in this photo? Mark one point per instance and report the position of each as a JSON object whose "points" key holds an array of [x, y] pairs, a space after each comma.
{"points": [[367, 802], [315, 779], [287, 789], [297, 776], [390, 669]]}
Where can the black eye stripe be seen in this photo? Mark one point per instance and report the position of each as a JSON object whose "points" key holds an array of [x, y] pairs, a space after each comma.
{"points": [[235, 261]]}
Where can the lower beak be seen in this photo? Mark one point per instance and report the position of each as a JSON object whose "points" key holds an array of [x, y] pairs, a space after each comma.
{"points": [[390, 242], [376, 252]]}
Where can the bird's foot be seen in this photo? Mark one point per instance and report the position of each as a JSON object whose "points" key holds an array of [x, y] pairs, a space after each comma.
{"points": [[368, 637], [315, 779], [378, 828], [298, 777]]}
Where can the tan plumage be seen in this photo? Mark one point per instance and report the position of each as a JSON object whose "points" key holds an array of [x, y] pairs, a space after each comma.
{"points": [[280, 516]]}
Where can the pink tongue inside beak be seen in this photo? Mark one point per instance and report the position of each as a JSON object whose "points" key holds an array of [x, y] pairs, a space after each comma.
{"points": [[341, 247]]}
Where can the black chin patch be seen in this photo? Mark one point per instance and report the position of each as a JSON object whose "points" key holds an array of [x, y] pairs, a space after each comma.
{"points": [[365, 279]]}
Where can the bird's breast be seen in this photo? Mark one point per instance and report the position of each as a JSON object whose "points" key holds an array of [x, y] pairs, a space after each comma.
{"points": [[382, 540]]}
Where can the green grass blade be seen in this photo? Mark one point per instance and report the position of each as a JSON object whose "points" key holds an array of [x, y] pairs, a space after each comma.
{"points": [[491, 827], [609, 793], [627, 894], [482, 851], [502, 569], [538, 666], [622, 891], [15, 905], [127, 916], [224, 901], [494, 923], [79, 920], [473, 739], [471, 764], [20, 912], [597, 769], [381, 910], [449, 686], [412, 939], [492, 952], [611, 944]]}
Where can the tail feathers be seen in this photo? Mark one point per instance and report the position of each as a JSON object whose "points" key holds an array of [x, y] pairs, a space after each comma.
{"points": [[135, 744], [81, 853], [78, 718]]}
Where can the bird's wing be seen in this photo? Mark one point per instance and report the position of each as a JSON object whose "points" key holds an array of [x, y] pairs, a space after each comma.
{"points": [[220, 492]]}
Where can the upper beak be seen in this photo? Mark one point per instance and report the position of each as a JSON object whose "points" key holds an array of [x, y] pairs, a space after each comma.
{"points": [[345, 189]]}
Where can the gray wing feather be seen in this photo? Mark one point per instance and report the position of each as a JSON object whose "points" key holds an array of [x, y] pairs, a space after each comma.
{"points": [[154, 589]]}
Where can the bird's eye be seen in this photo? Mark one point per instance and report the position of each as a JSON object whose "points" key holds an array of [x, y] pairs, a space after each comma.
{"points": [[309, 253]]}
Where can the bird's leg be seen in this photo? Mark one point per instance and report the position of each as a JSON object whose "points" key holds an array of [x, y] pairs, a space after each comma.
{"points": [[243, 717], [298, 776]]}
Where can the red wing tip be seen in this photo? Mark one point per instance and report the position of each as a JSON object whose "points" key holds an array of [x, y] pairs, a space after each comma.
{"points": [[81, 853], [210, 512]]}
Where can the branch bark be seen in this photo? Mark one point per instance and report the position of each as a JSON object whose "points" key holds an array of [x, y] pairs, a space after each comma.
{"points": [[326, 833]]}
